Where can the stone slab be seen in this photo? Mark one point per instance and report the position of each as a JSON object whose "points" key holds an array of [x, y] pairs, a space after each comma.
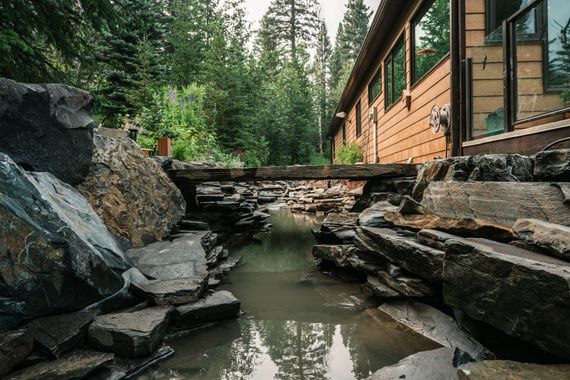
{"points": [[553, 239], [214, 307]]}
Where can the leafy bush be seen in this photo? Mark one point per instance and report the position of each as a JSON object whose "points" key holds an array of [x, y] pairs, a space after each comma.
{"points": [[178, 114], [350, 154], [317, 159]]}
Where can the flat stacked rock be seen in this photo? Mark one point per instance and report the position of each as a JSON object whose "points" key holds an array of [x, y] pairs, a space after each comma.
{"points": [[15, 346], [520, 292], [214, 307], [133, 334]]}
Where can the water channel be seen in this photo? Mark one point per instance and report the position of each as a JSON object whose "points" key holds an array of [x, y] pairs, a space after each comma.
{"points": [[297, 322]]}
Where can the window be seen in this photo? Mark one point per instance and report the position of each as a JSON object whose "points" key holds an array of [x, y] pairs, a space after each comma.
{"points": [[344, 133], [375, 87], [430, 37], [498, 11], [358, 119], [395, 73]]}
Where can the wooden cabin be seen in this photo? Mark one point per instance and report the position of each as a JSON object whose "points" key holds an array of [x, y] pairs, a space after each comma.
{"points": [[440, 78]]}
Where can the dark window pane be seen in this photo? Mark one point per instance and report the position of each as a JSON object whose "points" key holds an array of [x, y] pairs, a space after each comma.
{"points": [[375, 88], [431, 37], [395, 73], [500, 10], [358, 119]]}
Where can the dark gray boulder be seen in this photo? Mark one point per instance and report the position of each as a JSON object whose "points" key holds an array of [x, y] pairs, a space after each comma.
{"points": [[374, 286], [57, 256], [373, 216], [172, 292], [14, 347], [523, 293], [214, 307], [506, 369], [47, 128], [130, 335], [552, 165], [75, 365]]}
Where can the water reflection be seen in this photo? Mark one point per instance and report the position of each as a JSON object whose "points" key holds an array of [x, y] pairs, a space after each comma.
{"points": [[298, 324]]}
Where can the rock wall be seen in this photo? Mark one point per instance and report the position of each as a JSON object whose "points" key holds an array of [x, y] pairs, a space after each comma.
{"points": [[133, 196], [482, 235]]}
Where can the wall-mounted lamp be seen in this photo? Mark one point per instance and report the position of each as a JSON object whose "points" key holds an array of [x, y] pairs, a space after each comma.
{"points": [[341, 115]]}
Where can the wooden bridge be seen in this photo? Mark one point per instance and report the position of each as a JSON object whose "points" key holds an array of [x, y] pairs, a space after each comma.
{"points": [[291, 173], [187, 179]]}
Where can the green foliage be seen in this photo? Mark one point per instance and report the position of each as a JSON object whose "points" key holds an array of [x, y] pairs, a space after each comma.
{"points": [[318, 159], [350, 154]]}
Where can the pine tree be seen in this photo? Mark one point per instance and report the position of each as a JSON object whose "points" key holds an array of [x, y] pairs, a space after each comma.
{"points": [[193, 27], [322, 60], [132, 57], [43, 41], [292, 23], [354, 29]]}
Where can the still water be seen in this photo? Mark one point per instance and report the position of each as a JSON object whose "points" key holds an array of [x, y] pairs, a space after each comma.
{"points": [[297, 323]]}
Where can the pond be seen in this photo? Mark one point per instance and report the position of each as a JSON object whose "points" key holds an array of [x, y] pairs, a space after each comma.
{"points": [[297, 322]]}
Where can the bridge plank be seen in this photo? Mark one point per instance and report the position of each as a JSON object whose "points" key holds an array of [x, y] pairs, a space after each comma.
{"points": [[273, 173]]}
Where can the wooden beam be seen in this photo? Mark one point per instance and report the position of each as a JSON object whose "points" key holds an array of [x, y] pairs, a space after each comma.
{"points": [[274, 173]]}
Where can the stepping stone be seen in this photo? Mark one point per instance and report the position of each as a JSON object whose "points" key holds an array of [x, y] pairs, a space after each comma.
{"points": [[14, 347], [374, 215], [214, 307], [433, 365], [434, 325], [58, 334], [130, 334], [74, 365], [172, 292]]}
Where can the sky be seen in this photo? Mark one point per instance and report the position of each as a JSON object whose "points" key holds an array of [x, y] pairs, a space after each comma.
{"points": [[332, 10]]}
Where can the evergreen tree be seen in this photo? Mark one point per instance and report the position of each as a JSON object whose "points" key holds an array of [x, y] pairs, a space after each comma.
{"points": [[354, 29], [292, 23], [43, 41], [322, 60], [132, 57], [194, 23]]}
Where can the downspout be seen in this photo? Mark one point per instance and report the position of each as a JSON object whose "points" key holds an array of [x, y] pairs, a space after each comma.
{"points": [[458, 114], [375, 140]]}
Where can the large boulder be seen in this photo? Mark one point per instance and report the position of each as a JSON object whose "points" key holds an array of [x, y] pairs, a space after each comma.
{"points": [[499, 202], [55, 253], [491, 167], [134, 197], [47, 128], [523, 293]]}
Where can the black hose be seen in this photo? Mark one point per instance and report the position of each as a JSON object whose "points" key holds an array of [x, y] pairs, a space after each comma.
{"points": [[554, 143]]}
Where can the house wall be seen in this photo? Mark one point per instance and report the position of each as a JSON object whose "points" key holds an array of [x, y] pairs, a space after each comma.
{"points": [[402, 133]]}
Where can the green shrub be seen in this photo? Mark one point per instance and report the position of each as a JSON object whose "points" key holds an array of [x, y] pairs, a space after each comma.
{"points": [[350, 154], [317, 159]]}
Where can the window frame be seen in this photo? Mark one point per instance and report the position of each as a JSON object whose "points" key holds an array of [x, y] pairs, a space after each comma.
{"points": [[421, 12], [358, 117], [491, 10], [377, 76], [400, 42]]}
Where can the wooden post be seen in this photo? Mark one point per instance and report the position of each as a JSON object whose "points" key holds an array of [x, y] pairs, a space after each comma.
{"points": [[165, 147]]}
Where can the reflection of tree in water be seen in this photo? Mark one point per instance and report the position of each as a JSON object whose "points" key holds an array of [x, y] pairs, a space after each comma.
{"points": [[299, 349], [361, 364]]}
